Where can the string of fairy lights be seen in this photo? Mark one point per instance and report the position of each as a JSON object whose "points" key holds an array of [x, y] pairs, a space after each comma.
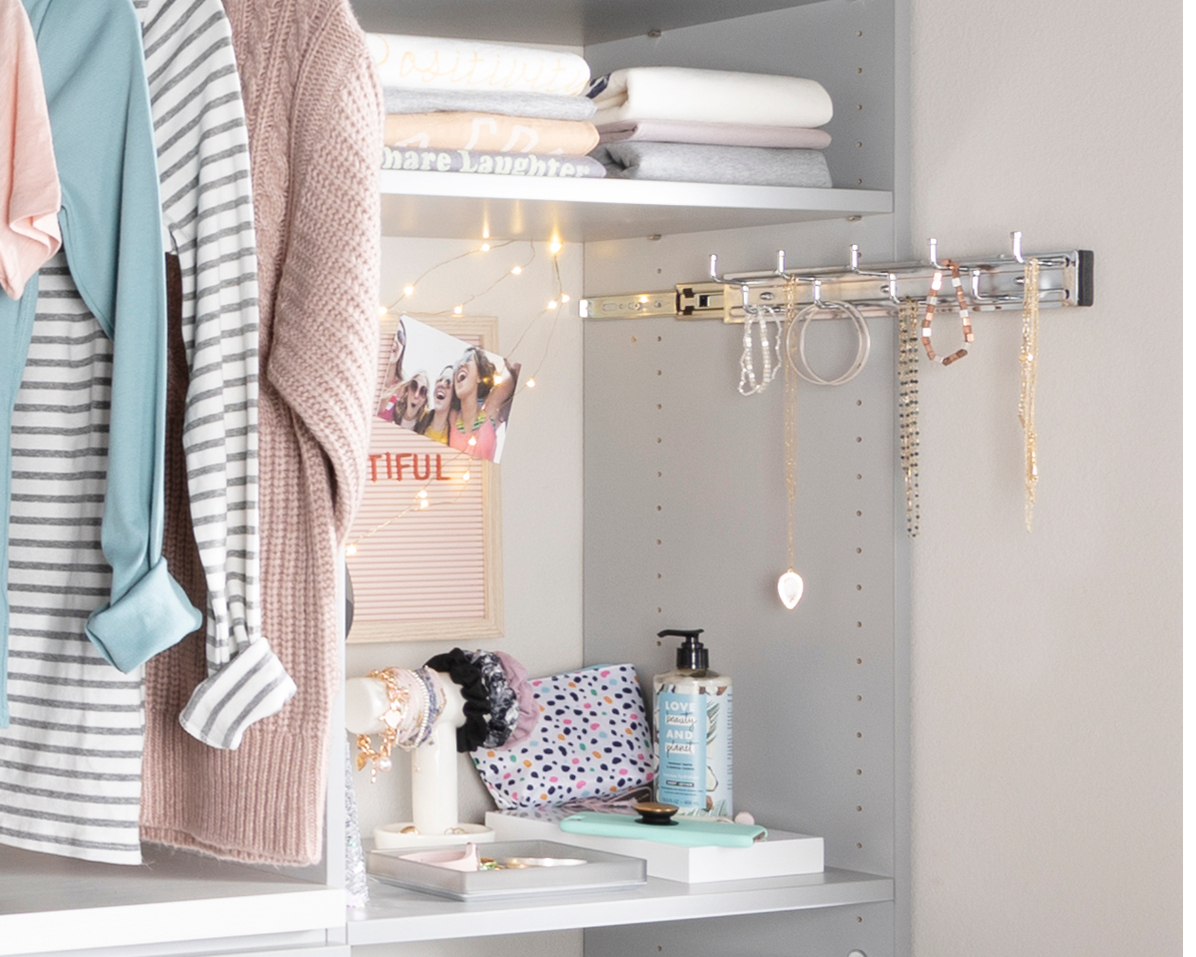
{"points": [[421, 500]]}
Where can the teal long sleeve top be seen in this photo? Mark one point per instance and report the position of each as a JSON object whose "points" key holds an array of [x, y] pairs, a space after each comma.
{"points": [[94, 75]]}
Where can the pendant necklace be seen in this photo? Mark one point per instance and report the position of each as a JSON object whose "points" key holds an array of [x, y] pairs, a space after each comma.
{"points": [[790, 585]]}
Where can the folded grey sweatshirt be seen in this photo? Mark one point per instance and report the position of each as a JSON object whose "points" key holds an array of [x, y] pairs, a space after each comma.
{"points": [[696, 163]]}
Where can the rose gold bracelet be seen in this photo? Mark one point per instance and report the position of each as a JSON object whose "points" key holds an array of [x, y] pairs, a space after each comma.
{"points": [[932, 301], [398, 699]]}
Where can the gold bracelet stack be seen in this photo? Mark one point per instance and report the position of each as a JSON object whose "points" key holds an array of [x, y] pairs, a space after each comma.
{"points": [[403, 725], [398, 699]]}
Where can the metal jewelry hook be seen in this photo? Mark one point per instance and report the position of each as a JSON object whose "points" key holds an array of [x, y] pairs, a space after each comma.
{"points": [[714, 276], [1016, 236], [855, 263], [987, 300], [934, 254]]}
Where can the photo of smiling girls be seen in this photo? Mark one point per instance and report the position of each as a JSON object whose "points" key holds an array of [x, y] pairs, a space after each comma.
{"points": [[440, 403], [411, 412], [482, 391], [392, 377], [468, 404]]}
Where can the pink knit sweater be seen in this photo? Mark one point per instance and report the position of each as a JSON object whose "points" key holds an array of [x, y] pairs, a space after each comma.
{"points": [[314, 112]]}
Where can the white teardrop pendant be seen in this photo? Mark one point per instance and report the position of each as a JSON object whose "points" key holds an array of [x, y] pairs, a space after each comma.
{"points": [[790, 588]]}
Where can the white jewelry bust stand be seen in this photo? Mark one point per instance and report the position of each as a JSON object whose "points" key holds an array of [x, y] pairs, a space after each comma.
{"points": [[433, 768]]}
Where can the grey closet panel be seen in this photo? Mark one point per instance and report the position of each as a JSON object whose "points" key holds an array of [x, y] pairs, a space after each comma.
{"points": [[685, 512], [830, 932], [685, 527]]}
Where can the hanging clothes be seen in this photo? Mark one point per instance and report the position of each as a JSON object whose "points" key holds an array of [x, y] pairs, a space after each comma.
{"points": [[315, 123], [70, 760], [202, 143], [94, 78], [212, 284], [29, 191], [212, 448]]}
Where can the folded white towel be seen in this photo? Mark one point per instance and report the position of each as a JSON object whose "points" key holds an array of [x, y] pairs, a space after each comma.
{"points": [[439, 63], [710, 96]]}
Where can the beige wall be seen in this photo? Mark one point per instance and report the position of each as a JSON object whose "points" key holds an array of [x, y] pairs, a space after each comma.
{"points": [[1046, 667], [541, 504], [541, 473]]}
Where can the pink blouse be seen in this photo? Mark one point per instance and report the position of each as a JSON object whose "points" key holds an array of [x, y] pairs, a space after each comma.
{"points": [[29, 191]]}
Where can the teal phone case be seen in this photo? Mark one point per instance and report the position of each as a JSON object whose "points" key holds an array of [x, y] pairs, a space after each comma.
{"points": [[689, 832]]}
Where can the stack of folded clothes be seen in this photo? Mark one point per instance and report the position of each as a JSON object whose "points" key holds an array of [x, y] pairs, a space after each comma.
{"points": [[470, 107], [711, 126]]}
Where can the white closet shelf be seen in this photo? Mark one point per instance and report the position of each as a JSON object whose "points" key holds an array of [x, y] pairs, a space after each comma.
{"points": [[475, 206], [556, 22], [394, 915], [50, 903]]}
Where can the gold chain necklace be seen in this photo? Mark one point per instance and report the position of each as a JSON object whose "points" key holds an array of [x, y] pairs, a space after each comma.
{"points": [[907, 411], [1029, 366]]}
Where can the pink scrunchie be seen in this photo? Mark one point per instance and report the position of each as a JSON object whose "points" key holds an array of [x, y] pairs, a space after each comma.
{"points": [[529, 711]]}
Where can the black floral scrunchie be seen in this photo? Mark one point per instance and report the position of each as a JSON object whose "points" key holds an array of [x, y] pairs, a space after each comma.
{"points": [[468, 677]]}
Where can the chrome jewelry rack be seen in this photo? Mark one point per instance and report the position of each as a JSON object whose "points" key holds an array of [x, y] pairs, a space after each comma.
{"points": [[989, 285]]}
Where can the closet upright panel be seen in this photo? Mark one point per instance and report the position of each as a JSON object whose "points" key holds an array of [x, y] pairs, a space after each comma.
{"points": [[685, 497]]}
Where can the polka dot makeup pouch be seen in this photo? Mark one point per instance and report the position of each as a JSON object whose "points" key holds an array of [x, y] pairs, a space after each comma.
{"points": [[591, 740]]}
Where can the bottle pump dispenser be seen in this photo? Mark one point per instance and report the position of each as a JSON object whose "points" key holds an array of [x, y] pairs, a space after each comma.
{"points": [[692, 732]]}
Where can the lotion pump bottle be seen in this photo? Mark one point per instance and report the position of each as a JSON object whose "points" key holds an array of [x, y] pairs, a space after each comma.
{"points": [[692, 732]]}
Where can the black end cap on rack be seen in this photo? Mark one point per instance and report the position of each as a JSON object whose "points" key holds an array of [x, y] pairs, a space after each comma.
{"points": [[1085, 277]]}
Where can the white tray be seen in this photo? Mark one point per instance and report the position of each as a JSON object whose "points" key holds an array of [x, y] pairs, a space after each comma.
{"points": [[602, 870], [782, 854]]}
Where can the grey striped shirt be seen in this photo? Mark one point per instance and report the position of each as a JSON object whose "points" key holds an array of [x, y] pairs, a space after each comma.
{"points": [[207, 206], [70, 760]]}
